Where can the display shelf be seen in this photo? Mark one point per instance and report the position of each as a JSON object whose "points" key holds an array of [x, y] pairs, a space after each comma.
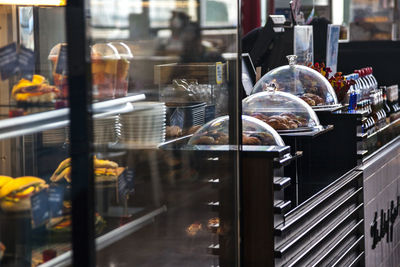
{"points": [[362, 136], [308, 207], [340, 241], [214, 249], [214, 228], [287, 159], [176, 140], [34, 123], [362, 153], [281, 207], [376, 141], [281, 183], [340, 261], [214, 182], [111, 237], [334, 226], [214, 206], [311, 134]]}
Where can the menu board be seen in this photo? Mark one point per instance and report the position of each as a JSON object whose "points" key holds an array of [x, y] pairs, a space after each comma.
{"points": [[8, 61], [26, 61], [126, 183], [40, 208], [15, 60], [56, 198]]}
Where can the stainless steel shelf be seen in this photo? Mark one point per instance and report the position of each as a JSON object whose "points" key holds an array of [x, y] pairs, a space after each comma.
{"points": [[30, 124]]}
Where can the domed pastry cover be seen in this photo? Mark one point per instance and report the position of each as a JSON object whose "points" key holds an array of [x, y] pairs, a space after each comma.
{"points": [[301, 81], [282, 111], [255, 132]]}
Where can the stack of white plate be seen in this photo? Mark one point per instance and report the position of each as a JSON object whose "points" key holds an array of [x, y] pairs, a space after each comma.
{"points": [[106, 130], [55, 137], [145, 125]]}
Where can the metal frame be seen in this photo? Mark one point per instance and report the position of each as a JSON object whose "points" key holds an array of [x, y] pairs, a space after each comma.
{"points": [[236, 113], [80, 100]]}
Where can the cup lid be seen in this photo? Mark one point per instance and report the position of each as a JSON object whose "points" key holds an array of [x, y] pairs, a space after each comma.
{"points": [[123, 50], [55, 51], [104, 51]]}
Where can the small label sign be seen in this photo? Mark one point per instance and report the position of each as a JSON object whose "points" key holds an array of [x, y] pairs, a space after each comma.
{"points": [[8, 61], [40, 208], [56, 198], [219, 73], [126, 183], [62, 61], [177, 118], [26, 60]]}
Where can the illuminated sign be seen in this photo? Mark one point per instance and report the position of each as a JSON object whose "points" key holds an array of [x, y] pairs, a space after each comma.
{"points": [[34, 2]]}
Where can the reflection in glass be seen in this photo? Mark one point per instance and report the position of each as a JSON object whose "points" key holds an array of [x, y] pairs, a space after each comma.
{"points": [[162, 201]]}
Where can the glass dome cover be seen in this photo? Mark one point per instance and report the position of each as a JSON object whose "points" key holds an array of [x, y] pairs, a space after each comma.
{"points": [[299, 80], [282, 111], [255, 132]]}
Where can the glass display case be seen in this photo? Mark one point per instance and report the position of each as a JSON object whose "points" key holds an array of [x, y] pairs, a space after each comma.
{"points": [[91, 167], [196, 92], [282, 111], [255, 132], [301, 81]]}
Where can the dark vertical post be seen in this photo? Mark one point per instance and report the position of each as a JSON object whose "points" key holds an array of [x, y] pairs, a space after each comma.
{"points": [[79, 80], [198, 12], [36, 40], [236, 116], [258, 220], [251, 15], [271, 7]]}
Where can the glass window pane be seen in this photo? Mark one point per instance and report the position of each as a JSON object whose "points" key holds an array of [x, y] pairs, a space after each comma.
{"points": [[35, 221], [163, 70]]}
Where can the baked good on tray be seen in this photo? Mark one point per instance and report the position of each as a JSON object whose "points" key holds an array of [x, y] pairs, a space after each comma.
{"points": [[36, 91], [104, 171], [283, 121]]}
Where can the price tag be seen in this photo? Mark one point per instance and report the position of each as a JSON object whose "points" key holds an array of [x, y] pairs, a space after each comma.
{"points": [[40, 208], [219, 72], [62, 61], [126, 183], [177, 118], [56, 198], [8, 61], [26, 61]]}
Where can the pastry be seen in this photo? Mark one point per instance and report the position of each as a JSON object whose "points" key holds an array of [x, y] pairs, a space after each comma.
{"points": [[317, 99], [204, 140], [308, 100], [250, 140], [173, 131], [222, 140], [265, 138], [278, 125], [193, 129]]}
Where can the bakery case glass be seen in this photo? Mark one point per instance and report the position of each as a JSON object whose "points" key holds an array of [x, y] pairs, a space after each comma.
{"points": [[100, 101]]}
